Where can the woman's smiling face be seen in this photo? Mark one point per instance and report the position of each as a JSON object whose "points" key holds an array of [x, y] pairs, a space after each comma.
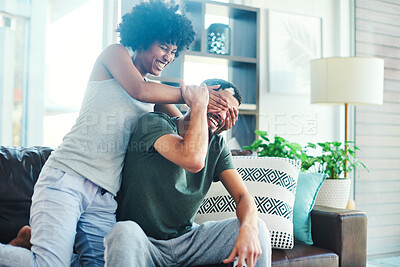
{"points": [[154, 59]]}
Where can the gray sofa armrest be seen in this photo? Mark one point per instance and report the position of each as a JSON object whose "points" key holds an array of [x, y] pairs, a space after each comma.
{"points": [[341, 231]]}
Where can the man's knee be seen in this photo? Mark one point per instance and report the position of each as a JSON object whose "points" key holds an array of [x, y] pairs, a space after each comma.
{"points": [[125, 231]]}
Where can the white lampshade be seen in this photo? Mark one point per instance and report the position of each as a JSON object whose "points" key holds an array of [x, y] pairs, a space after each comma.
{"points": [[351, 80]]}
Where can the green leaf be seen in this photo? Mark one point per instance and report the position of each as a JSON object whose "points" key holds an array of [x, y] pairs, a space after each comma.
{"points": [[294, 146], [332, 160], [263, 153], [260, 133], [337, 144], [311, 145]]}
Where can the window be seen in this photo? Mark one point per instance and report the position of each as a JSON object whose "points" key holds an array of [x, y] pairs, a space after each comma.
{"points": [[73, 42], [13, 45]]}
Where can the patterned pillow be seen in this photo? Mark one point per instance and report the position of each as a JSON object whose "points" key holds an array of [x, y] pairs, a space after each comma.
{"points": [[272, 182]]}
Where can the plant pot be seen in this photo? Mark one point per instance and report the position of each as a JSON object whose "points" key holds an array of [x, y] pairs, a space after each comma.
{"points": [[334, 193]]}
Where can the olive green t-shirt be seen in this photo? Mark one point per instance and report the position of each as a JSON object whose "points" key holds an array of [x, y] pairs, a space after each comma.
{"points": [[160, 196]]}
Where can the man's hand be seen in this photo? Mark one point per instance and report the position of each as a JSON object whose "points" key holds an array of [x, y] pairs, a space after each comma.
{"points": [[195, 96], [232, 116], [247, 247]]}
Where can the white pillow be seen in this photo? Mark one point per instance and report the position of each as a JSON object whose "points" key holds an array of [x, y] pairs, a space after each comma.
{"points": [[272, 182]]}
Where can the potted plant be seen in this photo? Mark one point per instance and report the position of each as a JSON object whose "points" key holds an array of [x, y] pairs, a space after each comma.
{"points": [[332, 159], [280, 147], [335, 160]]}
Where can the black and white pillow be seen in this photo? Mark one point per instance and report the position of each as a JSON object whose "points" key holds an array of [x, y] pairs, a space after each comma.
{"points": [[272, 182]]}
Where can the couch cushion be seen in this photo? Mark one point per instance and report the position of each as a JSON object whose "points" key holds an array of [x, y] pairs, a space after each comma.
{"points": [[272, 183], [308, 186], [304, 255], [19, 171]]}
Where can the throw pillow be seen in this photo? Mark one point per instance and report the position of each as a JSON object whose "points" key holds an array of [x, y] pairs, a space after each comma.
{"points": [[308, 186], [272, 182]]}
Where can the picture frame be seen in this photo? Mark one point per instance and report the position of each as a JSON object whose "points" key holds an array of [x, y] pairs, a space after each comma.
{"points": [[294, 40]]}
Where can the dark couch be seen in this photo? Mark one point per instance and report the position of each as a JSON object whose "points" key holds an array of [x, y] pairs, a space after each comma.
{"points": [[339, 235]]}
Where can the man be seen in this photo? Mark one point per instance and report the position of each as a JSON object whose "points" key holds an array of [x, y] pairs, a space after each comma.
{"points": [[169, 167]]}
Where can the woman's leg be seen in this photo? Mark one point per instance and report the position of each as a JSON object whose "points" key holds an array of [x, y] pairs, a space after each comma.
{"points": [[58, 201], [95, 223], [57, 204]]}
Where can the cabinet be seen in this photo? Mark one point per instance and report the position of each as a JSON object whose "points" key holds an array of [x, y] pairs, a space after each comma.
{"points": [[241, 66]]}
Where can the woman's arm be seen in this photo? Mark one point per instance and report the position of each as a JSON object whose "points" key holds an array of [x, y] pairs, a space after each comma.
{"points": [[116, 60], [169, 109]]}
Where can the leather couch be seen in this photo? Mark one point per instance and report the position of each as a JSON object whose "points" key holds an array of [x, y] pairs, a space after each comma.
{"points": [[339, 235]]}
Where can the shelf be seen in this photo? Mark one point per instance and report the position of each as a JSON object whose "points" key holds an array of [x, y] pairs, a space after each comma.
{"points": [[227, 57], [194, 11], [240, 66], [235, 6], [248, 107]]}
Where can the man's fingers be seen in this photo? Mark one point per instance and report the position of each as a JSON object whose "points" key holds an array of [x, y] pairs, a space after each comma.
{"points": [[232, 116], [241, 261], [211, 109], [231, 257], [236, 113], [228, 122], [250, 260]]}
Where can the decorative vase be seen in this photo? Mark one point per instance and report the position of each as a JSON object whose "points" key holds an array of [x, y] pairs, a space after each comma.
{"points": [[219, 39], [334, 193]]}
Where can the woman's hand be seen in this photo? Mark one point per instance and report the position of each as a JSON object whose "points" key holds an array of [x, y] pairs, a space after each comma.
{"points": [[217, 101]]}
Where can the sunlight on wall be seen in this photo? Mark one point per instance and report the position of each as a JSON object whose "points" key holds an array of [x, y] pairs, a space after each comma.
{"points": [[197, 69]]}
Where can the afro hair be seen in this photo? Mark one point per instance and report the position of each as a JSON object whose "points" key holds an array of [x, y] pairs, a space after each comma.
{"points": [[156, 20], [225, 85]]}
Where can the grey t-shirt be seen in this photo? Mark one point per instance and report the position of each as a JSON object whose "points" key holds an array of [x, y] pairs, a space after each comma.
{"points": [[96, 146], [157, 194]]}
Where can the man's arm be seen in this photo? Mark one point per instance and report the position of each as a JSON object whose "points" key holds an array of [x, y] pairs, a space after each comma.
{"points": [[189, 151], [247, 246]]}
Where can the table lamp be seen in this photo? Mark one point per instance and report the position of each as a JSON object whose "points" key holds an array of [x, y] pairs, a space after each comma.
{"points": [[348, 81]]}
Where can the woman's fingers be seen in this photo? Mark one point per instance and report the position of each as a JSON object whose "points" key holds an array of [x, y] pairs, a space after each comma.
{"points": [[217, 101]]}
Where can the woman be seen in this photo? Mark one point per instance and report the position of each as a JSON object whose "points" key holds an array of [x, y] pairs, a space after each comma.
{"points": [[73, 201]]}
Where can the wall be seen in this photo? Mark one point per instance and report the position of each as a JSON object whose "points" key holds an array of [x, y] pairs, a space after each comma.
{"points": [[378, 128], [292, 116], [286, 115]]}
